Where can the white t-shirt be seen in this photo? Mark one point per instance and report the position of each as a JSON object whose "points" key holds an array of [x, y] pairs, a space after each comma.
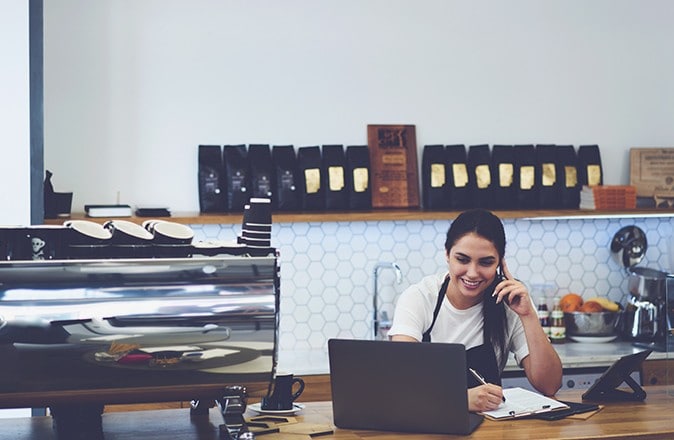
{"points": [[414, 314]]}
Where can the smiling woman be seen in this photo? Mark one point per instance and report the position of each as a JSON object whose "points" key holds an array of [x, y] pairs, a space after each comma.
{"points": [[478, 303]]}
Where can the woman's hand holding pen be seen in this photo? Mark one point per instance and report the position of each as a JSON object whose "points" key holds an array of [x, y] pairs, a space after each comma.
{"points": [[514, 293], [484, 397]]}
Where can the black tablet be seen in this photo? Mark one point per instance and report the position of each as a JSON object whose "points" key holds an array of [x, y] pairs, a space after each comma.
{"points": [[605, 388]]}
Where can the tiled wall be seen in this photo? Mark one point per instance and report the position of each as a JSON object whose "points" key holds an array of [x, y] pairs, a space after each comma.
{"points": [[327, 269]]}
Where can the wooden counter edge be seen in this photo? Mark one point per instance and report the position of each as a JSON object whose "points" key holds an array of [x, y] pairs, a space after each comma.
{"points": [[372, 215]]}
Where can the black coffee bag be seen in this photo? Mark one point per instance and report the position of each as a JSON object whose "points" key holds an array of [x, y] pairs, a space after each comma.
{"points": [[459, 180], [358, 177], [567, 174], [526, 191], [286, 189], [309, 164], [503, 173], [547, 181], [236, 175], [333, 177], [211, 180], [259, 160], [479, 166], [590, 171], [434, 177]]}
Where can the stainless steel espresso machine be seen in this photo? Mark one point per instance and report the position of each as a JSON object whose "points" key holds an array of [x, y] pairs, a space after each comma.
{"points": [[645, 319], [78, 334]]}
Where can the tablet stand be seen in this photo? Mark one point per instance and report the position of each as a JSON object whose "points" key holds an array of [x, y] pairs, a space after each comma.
{"points": [[606, 387], [637, 394]]}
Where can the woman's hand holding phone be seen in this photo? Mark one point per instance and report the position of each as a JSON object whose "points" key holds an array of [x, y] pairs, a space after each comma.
{"points": [[513, 292]]}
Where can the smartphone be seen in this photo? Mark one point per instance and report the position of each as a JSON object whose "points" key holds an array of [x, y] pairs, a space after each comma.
{"points": [[500, 276], [500, 273]]}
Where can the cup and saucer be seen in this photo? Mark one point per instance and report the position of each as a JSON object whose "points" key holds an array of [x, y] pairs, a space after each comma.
{"points": [[257, 407], [281, 401]]}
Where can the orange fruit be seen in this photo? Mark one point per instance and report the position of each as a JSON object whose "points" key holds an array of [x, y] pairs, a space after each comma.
{"points": [[571, 302], [591, 306]]}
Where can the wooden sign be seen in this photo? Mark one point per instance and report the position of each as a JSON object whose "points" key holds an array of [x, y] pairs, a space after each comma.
{"points": [[652, 171], [393, 165]]}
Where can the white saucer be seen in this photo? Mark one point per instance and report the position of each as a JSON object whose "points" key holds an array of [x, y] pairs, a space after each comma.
{"points": [[257, 407], [593, 339]]}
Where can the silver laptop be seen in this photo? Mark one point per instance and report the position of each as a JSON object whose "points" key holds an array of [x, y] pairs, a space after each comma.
{"points": [[400, 386]]}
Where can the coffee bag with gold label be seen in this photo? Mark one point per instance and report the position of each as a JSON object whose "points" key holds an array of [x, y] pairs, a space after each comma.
{"points": [[434, 177], [503, 172], [358, 177], [334, 177], [479, 165], [590, 171], [309, 163], [547, 180], [567, 173], [525, 176], [459, 180]]}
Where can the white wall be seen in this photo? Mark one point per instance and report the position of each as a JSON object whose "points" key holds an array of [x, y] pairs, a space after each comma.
{"points": [[14, 113], [133, 86]]}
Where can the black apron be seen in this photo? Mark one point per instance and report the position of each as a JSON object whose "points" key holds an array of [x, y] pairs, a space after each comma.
{"points": [[481, 358]]}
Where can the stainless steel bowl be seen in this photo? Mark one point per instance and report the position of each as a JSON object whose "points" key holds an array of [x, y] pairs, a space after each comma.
{"points": [[591, 324]]}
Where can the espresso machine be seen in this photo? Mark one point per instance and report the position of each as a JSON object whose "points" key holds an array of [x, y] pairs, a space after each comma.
{"points": [[645, 319]]}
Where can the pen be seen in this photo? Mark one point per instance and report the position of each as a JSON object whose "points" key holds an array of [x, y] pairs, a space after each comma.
{"points": [[480, 378]]}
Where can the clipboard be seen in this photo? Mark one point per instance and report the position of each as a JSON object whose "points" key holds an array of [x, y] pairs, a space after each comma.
{"points": [[522, 403], [574, 408]]}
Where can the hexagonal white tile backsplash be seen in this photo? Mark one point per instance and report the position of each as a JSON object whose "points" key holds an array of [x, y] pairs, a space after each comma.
{"points": [[327, 269]]}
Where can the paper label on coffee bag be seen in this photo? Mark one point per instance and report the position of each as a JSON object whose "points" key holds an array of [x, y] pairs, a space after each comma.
{"points": [[312, 177], [505, 175], [437, 175], [571, 176], [360, 179], [460, 172], [336, 178], [527, 180], [549, 174]]}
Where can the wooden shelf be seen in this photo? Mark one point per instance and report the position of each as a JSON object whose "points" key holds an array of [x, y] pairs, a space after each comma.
{"points": [[381, 214]]}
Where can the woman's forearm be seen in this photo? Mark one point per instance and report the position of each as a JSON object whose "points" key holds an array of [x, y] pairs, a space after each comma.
{"points": [[543, 366]]}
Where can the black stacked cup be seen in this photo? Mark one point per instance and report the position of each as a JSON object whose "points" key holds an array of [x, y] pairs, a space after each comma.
{"points": [[256, 228]]}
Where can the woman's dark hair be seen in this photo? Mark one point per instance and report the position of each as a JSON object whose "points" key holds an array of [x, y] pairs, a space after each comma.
{"points": [[488, 226]]}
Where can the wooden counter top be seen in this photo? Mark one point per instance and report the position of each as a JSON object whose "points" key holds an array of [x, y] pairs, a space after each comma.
{"points": [[378, 214], [643, 420]]}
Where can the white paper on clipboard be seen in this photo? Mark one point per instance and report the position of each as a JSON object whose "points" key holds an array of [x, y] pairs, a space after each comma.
{"points": [[521, 402]]}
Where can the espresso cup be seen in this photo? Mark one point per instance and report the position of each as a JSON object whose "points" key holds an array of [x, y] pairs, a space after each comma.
{"points": [[284, 394], [129, 240], [124, 232], [171, 233], [87, 240]]}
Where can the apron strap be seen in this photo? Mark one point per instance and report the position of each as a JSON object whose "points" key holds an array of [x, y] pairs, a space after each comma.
{"points": [[426, 337], [483, 359]]}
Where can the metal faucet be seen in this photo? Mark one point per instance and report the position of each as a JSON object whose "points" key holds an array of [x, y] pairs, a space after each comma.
{"points": [[375, 298]]}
